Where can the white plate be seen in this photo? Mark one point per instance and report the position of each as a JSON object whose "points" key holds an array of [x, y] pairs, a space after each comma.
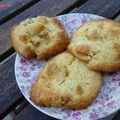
{"points": [[107, 102]]}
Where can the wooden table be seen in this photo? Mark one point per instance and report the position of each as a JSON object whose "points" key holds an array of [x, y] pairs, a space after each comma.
{"points": [[14, 11]]}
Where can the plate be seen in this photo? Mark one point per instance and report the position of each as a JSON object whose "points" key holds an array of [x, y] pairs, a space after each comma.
{"points": [[108, 100]]}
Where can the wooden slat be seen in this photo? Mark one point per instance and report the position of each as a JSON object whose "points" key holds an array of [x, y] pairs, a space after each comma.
{"points": [[23, 115], [9, 92], [8, 7], [30, 113], [44, 7], [106, 8]]}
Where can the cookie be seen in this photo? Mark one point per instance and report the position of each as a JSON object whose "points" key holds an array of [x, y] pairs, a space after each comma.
{"points": [[40, 37], [66, 82], [98, 43]]}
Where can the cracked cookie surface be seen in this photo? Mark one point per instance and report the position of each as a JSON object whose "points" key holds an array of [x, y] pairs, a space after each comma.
{"points": [[40, 37], [98, 43], [66, 82]]}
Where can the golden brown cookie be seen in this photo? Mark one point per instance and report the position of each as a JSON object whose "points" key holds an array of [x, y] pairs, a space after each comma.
{"points": [[42, 37], [98, 43], [66, 82]]}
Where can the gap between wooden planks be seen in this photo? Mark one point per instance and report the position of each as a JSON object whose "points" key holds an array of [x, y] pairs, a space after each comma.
{"points": [[9, 8], [14, 8]]}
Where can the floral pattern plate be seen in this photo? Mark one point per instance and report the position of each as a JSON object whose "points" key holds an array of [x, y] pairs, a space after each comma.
{"points": [[108, 100]]}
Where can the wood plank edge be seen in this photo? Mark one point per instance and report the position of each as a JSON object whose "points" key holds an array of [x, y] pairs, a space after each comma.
{"points": [[6, 54], [74, 6], [18, 11], [12, 107]]}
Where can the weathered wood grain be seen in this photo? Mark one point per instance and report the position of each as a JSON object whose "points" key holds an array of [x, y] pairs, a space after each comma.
{"points": [[105, 8], [44, 7], [9, 92], [10, 7], [30, 113]]}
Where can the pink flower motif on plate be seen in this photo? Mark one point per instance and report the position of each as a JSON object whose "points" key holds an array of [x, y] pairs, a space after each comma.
{"points": [[22, 68], [23, 61], [93, 115], [76, 116], [111, 104], [26, 74]]}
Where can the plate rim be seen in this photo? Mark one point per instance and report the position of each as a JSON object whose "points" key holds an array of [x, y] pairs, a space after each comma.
{"points": [[37, 107]]}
